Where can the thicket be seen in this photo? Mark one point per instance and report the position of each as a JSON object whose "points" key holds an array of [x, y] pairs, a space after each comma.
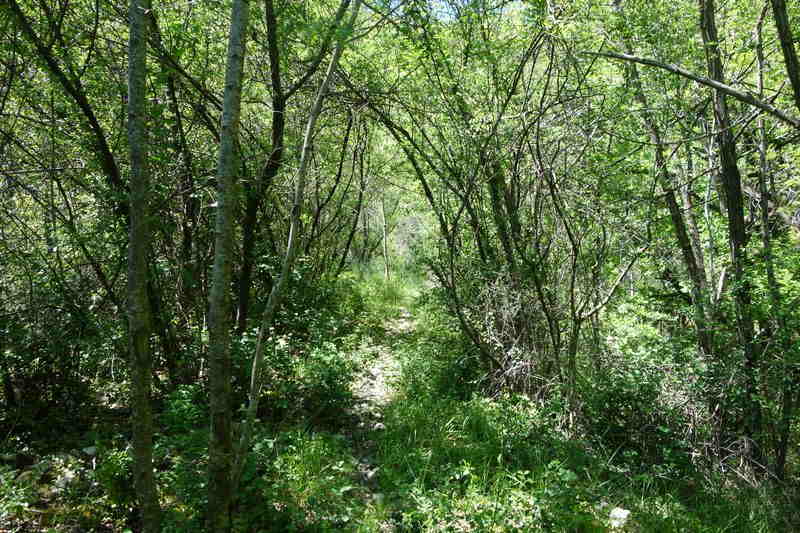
{"points": [[201, 252]]}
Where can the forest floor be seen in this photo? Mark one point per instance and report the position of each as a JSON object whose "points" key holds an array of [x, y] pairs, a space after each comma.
{"points": [[391, 433], [373, 390]]}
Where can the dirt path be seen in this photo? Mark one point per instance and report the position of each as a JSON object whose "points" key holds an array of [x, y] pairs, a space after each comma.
{"points": [[373, 390]]}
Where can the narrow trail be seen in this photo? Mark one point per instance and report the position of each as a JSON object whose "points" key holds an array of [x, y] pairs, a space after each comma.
{"points": [[374, 390]]}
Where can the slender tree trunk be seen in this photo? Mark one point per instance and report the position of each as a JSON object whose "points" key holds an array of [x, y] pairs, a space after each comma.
{"points": [[696, 276], [497, 190], [691, 224], [788, 385], [278, 290], [691, 257], [385, 240], [787, 47], [139, 321], [220, 455], [356, 212], [271, 168], [737, 238]]}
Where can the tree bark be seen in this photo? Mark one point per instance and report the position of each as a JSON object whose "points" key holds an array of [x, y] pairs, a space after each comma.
{"points": [[787, 47], [220, 456], [691, 224], [737, 237], [139, 320]]}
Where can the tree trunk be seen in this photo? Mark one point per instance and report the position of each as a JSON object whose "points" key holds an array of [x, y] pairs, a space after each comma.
{"points": [[688, 252], [783, 344], [787, 47], [737, 238], [139, 321], [385, 240], [356, 213], [271, 169], [292, 246], [220, 455]]}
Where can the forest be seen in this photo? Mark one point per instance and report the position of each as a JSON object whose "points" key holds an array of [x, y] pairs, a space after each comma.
{"points": [[399, 265]]}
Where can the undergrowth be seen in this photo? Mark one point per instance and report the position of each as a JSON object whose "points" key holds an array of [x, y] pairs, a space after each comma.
{"points": [[456, 459], [446, 456]]}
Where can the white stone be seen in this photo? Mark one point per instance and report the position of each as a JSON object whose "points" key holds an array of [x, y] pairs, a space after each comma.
{"points": [[618, 517]]}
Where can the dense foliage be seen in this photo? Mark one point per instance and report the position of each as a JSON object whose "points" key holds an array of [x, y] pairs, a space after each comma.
{"points": [[214, 216]]}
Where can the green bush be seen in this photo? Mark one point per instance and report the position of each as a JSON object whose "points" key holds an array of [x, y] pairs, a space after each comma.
{"points": [[624, 410], [437, 360], [305, 380], [323, 381], [184, 409], [115, 476], [16, 495], [309, 482]]}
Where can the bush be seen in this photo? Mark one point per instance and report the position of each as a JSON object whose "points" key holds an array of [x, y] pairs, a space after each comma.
{"points": [[439, 361], [303, 381], [185, 409], [115, 475], [624, 410], [309, 480]]}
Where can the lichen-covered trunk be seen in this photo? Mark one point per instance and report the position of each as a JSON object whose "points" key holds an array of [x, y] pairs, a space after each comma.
{"points": [[220, 453], [139, 322]]}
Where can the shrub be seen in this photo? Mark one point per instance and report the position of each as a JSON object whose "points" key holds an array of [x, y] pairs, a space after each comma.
{"points": [[624, 410], [185, 409], [309, 481], [115, 475]]}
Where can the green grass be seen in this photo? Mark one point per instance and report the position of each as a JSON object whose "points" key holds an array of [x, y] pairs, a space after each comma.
{"points": [[446, 456], [454, 461]]}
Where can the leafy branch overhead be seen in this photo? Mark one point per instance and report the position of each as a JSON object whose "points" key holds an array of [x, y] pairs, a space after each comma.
{"points": [[742, 96]]}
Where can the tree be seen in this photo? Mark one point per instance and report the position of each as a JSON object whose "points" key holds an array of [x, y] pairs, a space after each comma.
{"points": [[221, 453], [783, 26], [138, 303], [293, 244], [737, 238]]}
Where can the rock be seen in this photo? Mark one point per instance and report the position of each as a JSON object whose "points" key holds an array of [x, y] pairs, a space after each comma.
{"points": [[65, 478], [618, 517]]}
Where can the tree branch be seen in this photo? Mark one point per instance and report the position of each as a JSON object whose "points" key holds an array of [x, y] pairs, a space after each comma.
{"points": [[742, 96]]}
